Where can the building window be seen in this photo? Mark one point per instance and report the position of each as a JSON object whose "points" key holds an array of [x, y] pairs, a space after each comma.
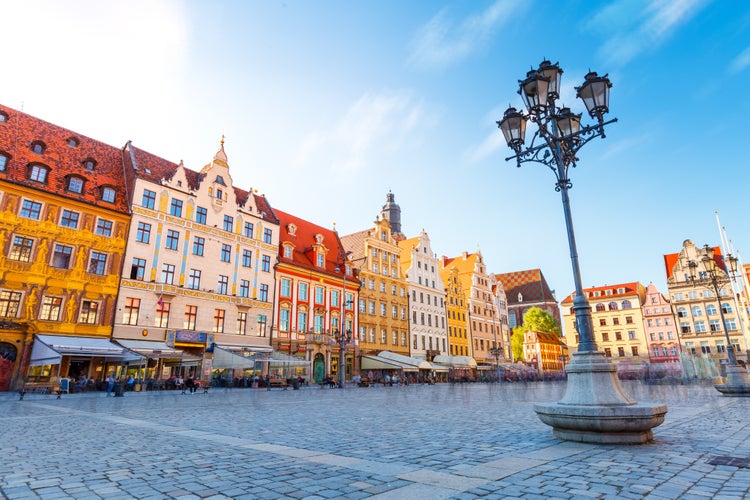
{"points": [[286, 287], [198, 245], [21, 249], [264, 293], [241, 323], [167, 274], [247, 229], [714, 325], [89, 312], [89, 164], [267, 236], [226, 253], [143, 233], [219, 320], [319, 295], [730, 324], [173, 239], [108, 194], [318, 323], [130, 311], [711, 310], [726, 308], [288, 251], [75, 185], [247, 258], [69, 219], [161, 319], [244, 288], [302, 321], [334, 298], [382, 309], [194, 279], [175, 208], [98, 263], [103, 227], [38, 173], [38, 147], [284, 320], [696, 311], [265, 263], [138, 269], [149, 199], [61, 256], [3, 162], [201, 215], [10, 302], [50, 310], [700, 327], [321, 260], [31, 209], [302, 292], [228, 223], [191, 316], [222, 284]]}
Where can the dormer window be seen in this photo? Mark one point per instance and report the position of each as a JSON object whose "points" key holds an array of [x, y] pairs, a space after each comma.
{"points": [[73, 142], [38, 147], [292, 229], [108, 194], [3, 117], [38, 173], [3, 161], [74, 184], [320, 260], [287, 252], [89, 164]]}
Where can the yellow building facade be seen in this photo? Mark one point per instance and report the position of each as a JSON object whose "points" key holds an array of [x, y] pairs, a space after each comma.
{"points": [[63, 234]]}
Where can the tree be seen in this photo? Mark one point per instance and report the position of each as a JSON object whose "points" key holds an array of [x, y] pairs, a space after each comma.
{"points": [[535, 319]]}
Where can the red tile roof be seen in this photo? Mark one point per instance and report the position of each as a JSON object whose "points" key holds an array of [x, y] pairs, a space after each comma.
{"points": [[64, 153], [671, 259], [629, 289], [530, 284], [303, 240]]}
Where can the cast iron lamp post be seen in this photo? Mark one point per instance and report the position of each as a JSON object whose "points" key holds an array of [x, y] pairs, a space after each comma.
{"points": [[710, 275], [342, 334], [594, 409], [496, 349]]}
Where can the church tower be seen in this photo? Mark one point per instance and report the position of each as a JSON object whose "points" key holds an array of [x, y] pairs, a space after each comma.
{"points": [[392, 213]]}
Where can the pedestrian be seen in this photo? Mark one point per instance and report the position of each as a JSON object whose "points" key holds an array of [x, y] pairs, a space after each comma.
{"points": [[110, 384]]}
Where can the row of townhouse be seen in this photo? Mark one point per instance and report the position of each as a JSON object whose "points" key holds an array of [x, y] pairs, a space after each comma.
{"points": [[634, 324], [117, 260]]}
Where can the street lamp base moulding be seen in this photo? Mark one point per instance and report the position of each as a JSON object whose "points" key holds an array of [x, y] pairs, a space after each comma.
{"points": [[595, 409], [737, 382]]}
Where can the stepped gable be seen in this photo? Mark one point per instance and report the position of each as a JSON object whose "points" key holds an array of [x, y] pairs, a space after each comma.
{"points": [[64, 153]]}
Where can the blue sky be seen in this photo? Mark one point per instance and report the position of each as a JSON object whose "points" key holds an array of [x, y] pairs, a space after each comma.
{"points": [[326, 106]]}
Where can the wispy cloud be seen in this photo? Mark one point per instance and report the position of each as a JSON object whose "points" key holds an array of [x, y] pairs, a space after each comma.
{"points": [[442, 41], [741, 62], [636, 27], [372, 124]]}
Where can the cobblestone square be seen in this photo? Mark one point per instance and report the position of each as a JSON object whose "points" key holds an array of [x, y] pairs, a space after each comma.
{"points": [[432, 442]]}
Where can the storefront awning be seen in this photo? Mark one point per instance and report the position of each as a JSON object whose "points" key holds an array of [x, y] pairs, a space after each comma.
{"points": [[49, 349], [225, 359], [419, 364], [280, 359], [156, 350], [465, 362], [378, 363]]}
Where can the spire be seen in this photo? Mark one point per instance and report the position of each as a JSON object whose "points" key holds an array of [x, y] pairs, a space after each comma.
{"points": [[392, 213], [220, 156]]}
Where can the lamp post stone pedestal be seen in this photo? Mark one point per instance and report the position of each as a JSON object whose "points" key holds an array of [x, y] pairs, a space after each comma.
{"points": [[594, 409]]}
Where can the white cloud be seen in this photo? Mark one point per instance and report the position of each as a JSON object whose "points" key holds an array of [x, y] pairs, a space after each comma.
{"points": [[637, 27], [373, 123], [440, 42], [741, 62]]}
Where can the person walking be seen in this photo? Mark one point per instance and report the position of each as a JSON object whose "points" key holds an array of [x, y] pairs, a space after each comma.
{"points": [[110, 384]]}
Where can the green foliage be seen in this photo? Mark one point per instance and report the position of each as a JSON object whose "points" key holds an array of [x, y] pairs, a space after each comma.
{"points": [[535, 319]]}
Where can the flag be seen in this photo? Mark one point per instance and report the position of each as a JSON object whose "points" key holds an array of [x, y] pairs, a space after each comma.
{"points": [[159, 303]]}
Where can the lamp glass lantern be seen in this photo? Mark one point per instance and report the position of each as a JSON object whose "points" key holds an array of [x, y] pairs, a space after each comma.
{"points": [[513, 126], [595, 94], [535, 91], [553, 73], [568, 123]]}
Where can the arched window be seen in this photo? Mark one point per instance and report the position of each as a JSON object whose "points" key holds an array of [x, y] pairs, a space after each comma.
{"points": [[711, 310], [73, 142], [726, 308], [3, 117], [696, 311], [681, 312], [626, 304], [38, 147], [89, 164], [74, 184], [613, 306], [108, 194], [37, 172], [600, 308]]}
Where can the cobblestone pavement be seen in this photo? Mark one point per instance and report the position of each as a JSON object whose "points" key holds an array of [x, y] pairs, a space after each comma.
{"points": [[415, 442]]}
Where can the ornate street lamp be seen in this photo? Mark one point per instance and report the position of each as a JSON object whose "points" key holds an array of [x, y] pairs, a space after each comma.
{"points": [[594, 409], [343, 336], [709, 274]]}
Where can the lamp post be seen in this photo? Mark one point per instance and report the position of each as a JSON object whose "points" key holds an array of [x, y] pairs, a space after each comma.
{"points": [[709, 274], [342, 334], [594, 409]]}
